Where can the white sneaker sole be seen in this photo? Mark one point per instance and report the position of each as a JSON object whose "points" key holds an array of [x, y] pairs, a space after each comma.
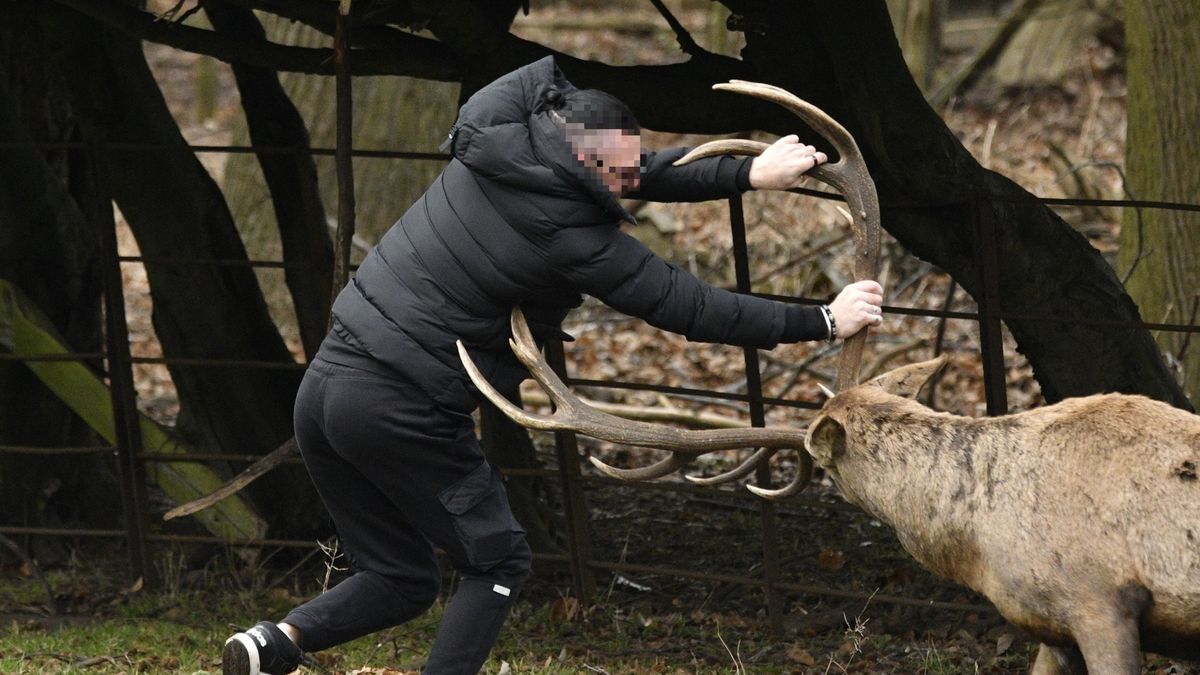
{"points": [[240, 656]]}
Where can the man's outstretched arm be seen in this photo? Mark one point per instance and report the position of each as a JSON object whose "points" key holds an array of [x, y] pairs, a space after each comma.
{"points": [[780, 167]]}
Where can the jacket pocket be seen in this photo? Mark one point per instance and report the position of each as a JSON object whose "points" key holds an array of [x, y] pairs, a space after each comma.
{"points": [[478, 506]]}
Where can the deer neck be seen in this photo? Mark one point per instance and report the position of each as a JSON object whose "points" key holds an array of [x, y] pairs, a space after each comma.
{"points": [[923, 473]]}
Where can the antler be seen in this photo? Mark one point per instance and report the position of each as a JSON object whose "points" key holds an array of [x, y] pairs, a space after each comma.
{"points": [[848, 176], [571, 414]]}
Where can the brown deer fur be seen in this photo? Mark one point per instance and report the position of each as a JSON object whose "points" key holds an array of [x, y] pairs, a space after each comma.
{"points": [[1079, 520]]}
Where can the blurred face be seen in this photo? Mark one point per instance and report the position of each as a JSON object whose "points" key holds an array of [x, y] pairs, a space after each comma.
{"points": [[612, 155]]}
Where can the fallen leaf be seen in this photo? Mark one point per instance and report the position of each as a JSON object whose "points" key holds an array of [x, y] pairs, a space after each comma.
{"points": [[830, 559], [564, 609], [801, 656], [1003, 643]]}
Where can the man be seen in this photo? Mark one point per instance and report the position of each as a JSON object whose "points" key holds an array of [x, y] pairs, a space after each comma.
{"points": [[525, 214]]}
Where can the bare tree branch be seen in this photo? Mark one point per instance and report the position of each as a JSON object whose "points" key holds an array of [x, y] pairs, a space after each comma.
{"points": [[235, 484], [984, 58], [322, 17], [419, 57], [472, 52], [686, 43]]}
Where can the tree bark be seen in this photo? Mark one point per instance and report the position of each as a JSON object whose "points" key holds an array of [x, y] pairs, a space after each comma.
{"points": [[918, 25], [395, 113], [1160, 247], [273, 120], [1051, 280], [48, 249], [1051, 42], [1047, 270], [175, 210]]}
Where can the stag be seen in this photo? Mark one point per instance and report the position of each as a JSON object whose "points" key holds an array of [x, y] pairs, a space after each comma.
{"points": [[1080, 521]]}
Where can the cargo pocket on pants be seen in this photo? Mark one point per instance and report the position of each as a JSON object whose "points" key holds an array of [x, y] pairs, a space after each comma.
{"points": [[482, 518]]}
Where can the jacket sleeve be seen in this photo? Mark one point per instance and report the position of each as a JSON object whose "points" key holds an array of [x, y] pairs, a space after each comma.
{"points": [[620, 271], [698, 181]]}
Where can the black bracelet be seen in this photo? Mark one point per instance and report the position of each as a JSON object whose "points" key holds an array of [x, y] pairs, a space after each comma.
{"points": [[833, 331]]}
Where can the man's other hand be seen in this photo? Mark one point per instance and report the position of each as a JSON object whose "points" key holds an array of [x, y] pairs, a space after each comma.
{"points": [[859, 304], [783, 163]]}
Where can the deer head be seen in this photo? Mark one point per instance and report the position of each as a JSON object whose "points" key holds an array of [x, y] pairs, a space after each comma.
{"points": [[825, 440], [848, 176]]}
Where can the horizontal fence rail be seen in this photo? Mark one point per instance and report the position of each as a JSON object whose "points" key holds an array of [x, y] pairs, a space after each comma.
{"points": [[578, 559]]}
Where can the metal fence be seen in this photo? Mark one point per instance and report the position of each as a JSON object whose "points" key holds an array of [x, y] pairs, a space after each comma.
{"points": [[583, 562]]}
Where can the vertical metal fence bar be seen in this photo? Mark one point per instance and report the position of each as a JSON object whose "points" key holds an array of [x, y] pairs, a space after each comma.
{"points": [[343, 149], [991, 335], [770, 530], [579, 535], [120, 368]]}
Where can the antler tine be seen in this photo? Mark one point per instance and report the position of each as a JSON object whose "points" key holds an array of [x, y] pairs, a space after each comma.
{"points": [[739, 471], [527, 352], [797, 484], [515, 413], [668, 464], [848, 175], [571, 414], [728, 146]]}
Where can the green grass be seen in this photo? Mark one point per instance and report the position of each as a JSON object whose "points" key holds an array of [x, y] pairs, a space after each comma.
{"points": [[126, 631], [112, 627]]}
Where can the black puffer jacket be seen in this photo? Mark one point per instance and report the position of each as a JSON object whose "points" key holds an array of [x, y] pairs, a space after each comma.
{"points": [[515, 220]]}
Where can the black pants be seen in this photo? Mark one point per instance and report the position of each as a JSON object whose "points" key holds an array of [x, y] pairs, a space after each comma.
{"points": [[399, 474]]}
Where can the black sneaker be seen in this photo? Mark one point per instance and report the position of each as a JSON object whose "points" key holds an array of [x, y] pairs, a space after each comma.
{"points": [[263, 649]]}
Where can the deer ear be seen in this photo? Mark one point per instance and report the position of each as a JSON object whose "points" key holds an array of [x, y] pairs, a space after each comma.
{"points": [[907, 381], [825, 440]]}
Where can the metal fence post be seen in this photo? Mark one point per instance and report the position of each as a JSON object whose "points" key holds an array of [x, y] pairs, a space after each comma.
{"points": [[770, 530], [343, 155], [991, 334], [120, 368], [570, 477]]}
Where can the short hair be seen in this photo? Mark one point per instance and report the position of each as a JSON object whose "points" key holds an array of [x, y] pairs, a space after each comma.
{"points": [[591, 109]]}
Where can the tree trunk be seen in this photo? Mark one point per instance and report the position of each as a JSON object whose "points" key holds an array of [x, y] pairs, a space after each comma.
{"points": [[1050, 43], [175, 210], [1050, 279], [48, 249], [273, 120], [918, 25], [1162, 248], [389, 114], [1046, 268]]}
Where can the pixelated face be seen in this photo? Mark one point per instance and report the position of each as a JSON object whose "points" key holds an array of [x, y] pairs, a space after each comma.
{"points": [[612, 155]]}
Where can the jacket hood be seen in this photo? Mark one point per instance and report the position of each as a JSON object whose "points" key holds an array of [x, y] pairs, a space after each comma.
{"points": [[504, 133]]}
